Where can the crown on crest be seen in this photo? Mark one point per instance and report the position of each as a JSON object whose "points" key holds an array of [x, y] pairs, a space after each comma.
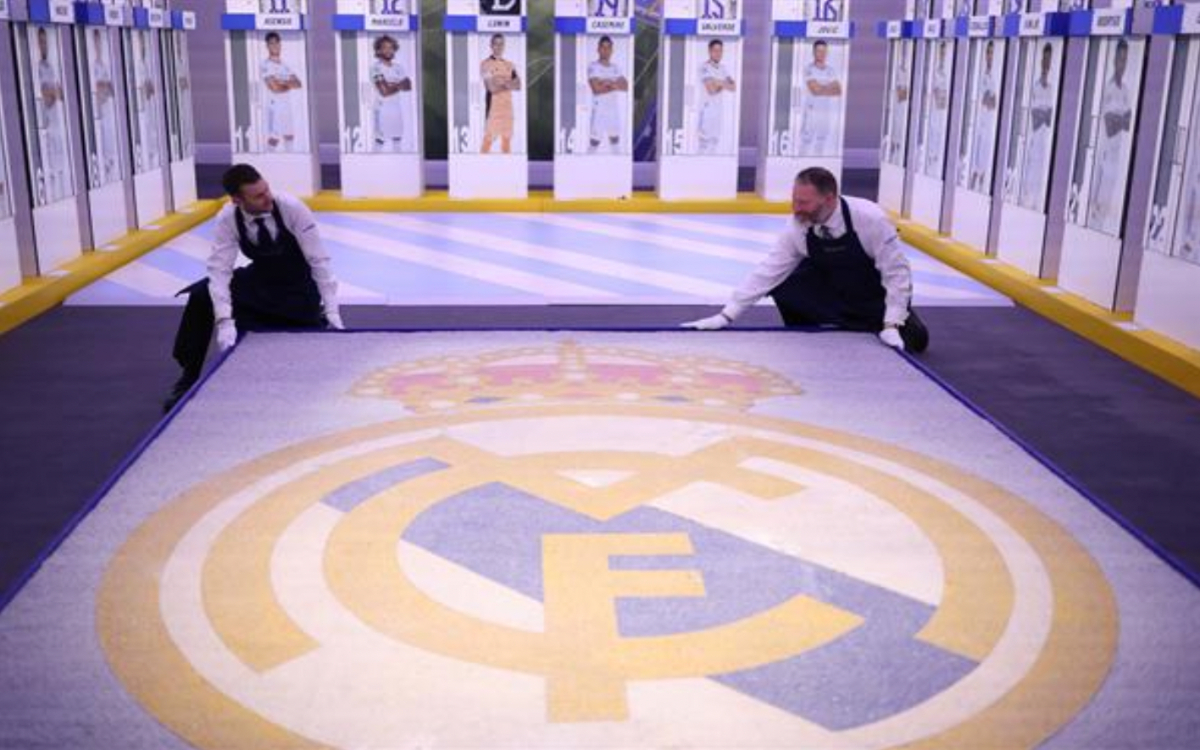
{"points": [[571, 373]]}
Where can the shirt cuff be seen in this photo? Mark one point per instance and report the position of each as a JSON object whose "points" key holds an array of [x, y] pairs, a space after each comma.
{"points": [[733, 310], [895, 318]]}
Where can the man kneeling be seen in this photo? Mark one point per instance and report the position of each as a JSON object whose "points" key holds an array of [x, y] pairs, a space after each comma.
{"points": [[840, 264], [287, 285]]}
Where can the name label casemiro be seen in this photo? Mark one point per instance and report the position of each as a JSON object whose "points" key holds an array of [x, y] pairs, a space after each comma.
{"points": [[596, 25]]}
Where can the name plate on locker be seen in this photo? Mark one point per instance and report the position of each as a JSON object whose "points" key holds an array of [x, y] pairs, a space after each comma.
{"points": [[189, 20], [115, 15], [931, 28], [278, 21], [500, 16], [375, 15], [4, 13], [702, 18], [61, 11], [387, 22], [718, 27], [1032, 24], [498, 23], [895, 29], [1191, 19], [619, 26], [829, 29], [277, 15], [979, 26], [158, 18], [1110, 22]]}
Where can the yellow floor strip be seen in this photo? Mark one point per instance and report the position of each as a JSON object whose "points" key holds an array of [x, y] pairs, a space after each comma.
{"points": [[36, 296], [542, 201], [1162, 356]]}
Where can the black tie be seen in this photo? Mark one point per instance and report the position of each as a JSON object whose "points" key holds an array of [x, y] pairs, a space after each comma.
{"points": [[825, 233], [264, 237]]}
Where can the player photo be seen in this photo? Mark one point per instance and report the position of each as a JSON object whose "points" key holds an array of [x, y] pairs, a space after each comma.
{"points": [[379, 93], [1104, 151], [981, 124], [608, 83], [180, 121], [146, 103], [1114, 143], [501, 81], [269, 92], [104, 158], [487, 96], [823, 99], [716, 92], [1187, 233], [6, 198], [897, 96], [392, 86], [279, 82], [49, 162], [1041, 116], [701, 104], [936, 108]]}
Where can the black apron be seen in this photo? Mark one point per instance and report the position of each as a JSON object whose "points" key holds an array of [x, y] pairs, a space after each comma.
{"points": [[836, 285], [277, 285], [276, 291]]}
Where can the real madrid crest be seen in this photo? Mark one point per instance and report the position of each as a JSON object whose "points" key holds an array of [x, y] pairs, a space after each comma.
{"points": [[570, 545]]}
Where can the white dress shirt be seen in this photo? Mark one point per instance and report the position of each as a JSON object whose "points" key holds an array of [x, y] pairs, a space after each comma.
{"points": [[299, 221], [879, 240]]}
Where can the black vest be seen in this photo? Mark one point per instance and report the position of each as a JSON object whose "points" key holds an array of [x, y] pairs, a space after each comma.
{"points": [[846, 267], [279, 279]]}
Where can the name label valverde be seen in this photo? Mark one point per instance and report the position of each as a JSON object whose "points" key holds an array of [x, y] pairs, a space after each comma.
{"points": [[718, 27]]}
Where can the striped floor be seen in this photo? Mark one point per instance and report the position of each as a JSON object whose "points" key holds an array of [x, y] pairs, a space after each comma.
{"points": [[524, 259]]}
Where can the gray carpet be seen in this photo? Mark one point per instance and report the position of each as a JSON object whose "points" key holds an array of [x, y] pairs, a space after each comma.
{"points": [[80, 387], [374, 528]]}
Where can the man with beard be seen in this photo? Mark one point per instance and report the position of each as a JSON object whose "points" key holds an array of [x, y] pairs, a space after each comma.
{"points": [[839, 264]]}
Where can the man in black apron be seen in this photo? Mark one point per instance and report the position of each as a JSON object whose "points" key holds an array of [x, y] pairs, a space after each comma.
{"points": [[287, 285], [840, 264]]}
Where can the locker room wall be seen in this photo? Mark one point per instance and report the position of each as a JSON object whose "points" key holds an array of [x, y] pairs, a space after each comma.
{"points": [[865, 80]]}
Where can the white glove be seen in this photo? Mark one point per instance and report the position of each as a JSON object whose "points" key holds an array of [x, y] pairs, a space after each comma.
{"points": [[226, 334], [713, 323], [891, 337], [335, 321]]}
